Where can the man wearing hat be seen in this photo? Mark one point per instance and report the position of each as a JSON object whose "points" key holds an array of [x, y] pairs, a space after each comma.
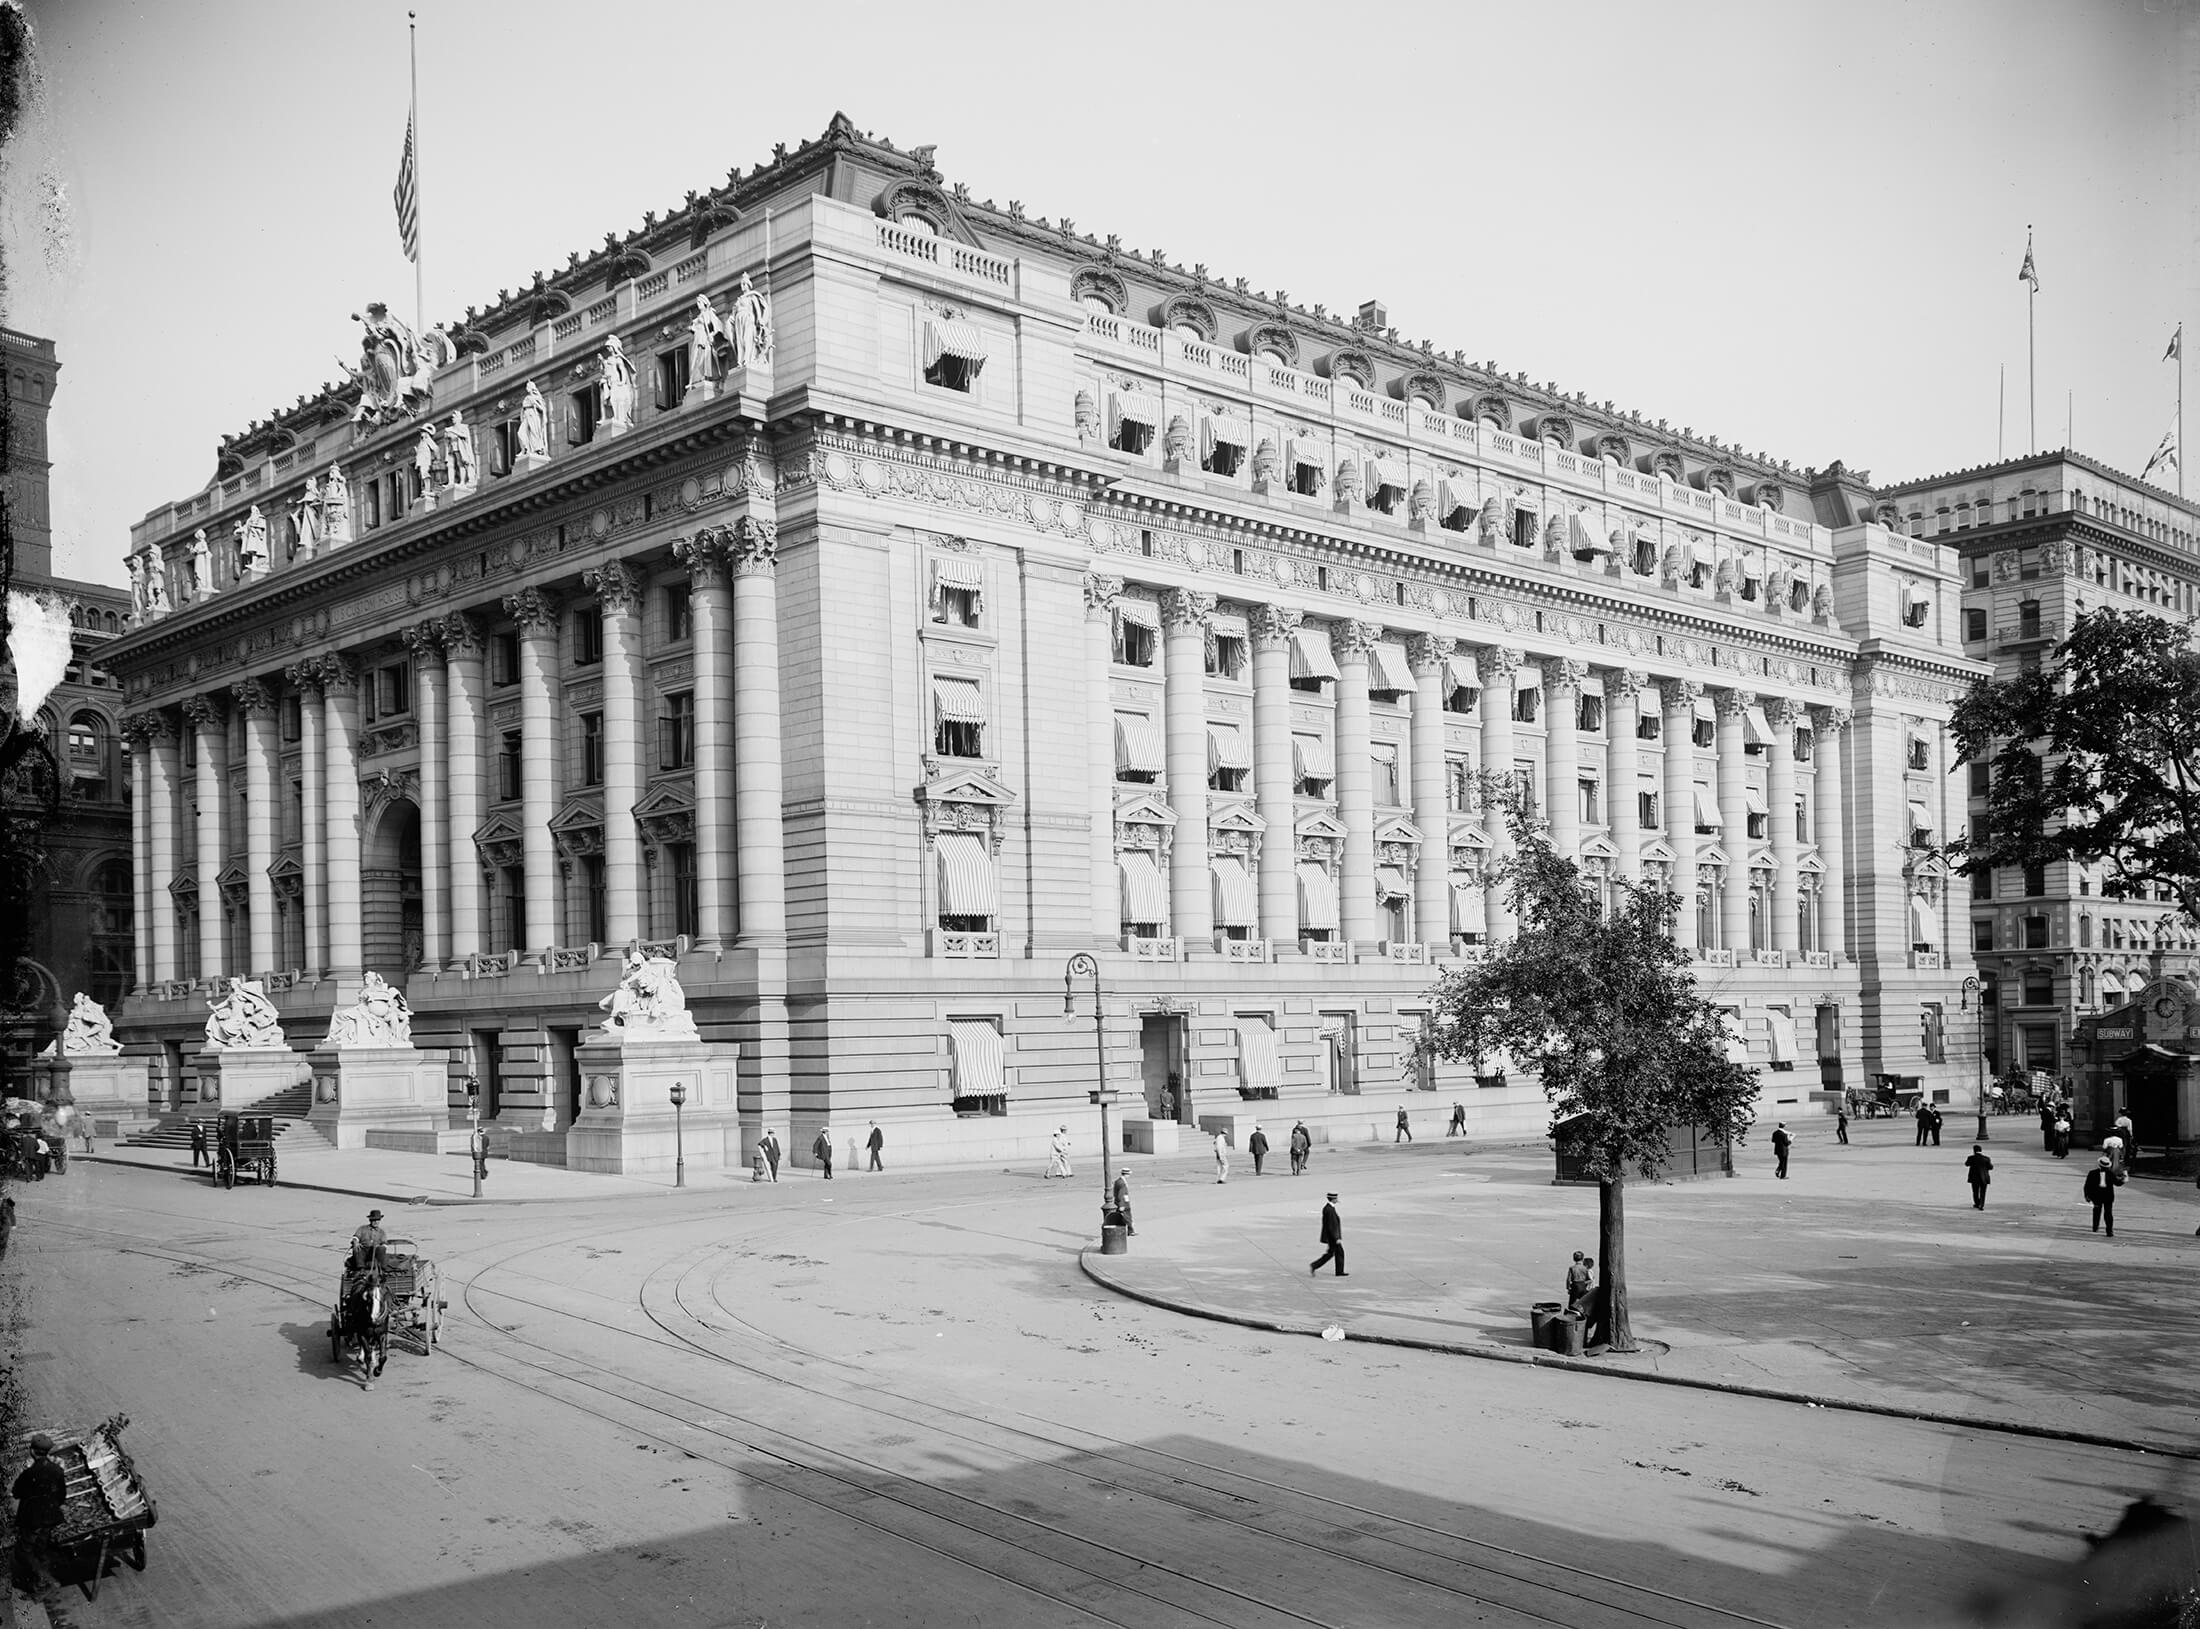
{"points": [[40, 1493], [368, 1245], [2100, 1188], [1121, 1194], [1332, 1240]]}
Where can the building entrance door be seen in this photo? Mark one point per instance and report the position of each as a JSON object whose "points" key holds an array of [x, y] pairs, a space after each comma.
{"points": [[565, 1065], [389, 895], [489, 1062], [1339, 1054], [1161, 1066], [2150, 1098]]}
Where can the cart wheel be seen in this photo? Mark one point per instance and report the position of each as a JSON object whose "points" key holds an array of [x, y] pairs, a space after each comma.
{"points": [[135, 1554]]}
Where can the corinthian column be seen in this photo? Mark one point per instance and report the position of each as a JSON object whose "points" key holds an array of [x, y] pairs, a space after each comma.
{"points": [[1787, 931], [1100, 596], [262, 744], [1733, 817], [1184, 713], [137, 730], [1425, 654], [1622, 712], [1680, 698], [157, 926], [1827, 792], [462, 662], [1273, 801], [759, 835], [1497, 666], [340, 773], [618, 588], [1562, 752], [536, 612], [1350, 642], [305, 679], [431, 710], [205, 716], [705, 555]]}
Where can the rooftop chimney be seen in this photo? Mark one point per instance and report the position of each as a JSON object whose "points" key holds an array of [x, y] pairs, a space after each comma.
{"points": [[1374, 316]]}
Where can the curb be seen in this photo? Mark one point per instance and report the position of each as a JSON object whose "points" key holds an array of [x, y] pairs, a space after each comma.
{"points": [[458, 1201], [1552, 1360]]}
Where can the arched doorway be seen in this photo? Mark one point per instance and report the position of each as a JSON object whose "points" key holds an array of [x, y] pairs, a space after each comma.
{"points": [[391, 925]]}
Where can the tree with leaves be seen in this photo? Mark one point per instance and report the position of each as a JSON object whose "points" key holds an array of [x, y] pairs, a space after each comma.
{"points": [[1603, 1007], [2096, 756]]}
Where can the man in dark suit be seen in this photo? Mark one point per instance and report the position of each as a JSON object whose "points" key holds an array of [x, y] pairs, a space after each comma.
{"points": [[1982, 1172], [1258, 1146], [1332, 1239], [877, 1142], [1781, 1142], [1924, 1123]]}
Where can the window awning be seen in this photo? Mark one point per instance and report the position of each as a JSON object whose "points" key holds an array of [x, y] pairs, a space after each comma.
{"points": [[1921, 818], [1311, 759], [954, 571], [1145, 895], [1780, 1035], [1309, 454], [1920, 745], [957, 701], [1382, 472], [1528, 499], [1310, 655], [1387, 667], [967, 883], [975, 1047], [1582, 538], [1922, 926], [1454, 493], [1228, 625], [1237, 901], [1737, 1049], [1464, 674], [1138, 744], [1259, 1063], [1391, 883], [1755, 731], [1753, 567], [1317, 897], [1136, 407], [1227, 748], [1755, 801], [1707, 808], [1226, 430], [963, 340], [1138, 613], [1466, 904]]}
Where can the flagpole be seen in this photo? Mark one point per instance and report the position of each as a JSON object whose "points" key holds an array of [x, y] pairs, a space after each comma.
{"points": [[2001, 413], [2031, 344], [420, 259], [2180, 410]]}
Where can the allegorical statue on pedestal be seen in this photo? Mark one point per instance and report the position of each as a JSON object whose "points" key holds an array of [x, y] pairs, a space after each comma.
{"points": [[710, 344], [459, 468], [305, 521], [202, 567], [243, 1019], [335, 506], [380, 1017], [649, 1004], [90, 1032], [615, 379], [534, 424], [157, 602], [752, 326], [396, 372], [252, 546]]}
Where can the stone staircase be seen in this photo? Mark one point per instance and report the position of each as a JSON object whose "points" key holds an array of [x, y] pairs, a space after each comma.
{"points": [[288, 1108]]}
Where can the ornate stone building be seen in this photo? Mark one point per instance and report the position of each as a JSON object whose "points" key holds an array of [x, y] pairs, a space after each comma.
{"points": [[873, 597], [81, 895], [2042, 539]]}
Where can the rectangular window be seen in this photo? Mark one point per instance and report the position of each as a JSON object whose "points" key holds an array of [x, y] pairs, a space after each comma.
{"points": [[1982, 936], [955, 607], [293, 718], [584, 411], [503, 446], [1592, 804], [1525, 703], [686, 916], [1703, 733], [1649, 727], [672, 378], [515, 907], [592, 751], [504, 659], [1526, 523], [679, 612], [1383, 762], [1135, 635], [1934, 1023], [1974, 624], [1982, 884], [2035, 933], [2035, 881], [588, 636], [592, 882], [676, 731], [2039, 988], [2028, 620], [1524, 788], [1458, 786], [393, 690], [1646, 811], [978, 1084], [1981, 779], [508, 763], [1589, 714], [1226, 657]]}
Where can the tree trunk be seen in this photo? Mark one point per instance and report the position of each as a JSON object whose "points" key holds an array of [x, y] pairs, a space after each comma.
{"points": [[1619, 1334]]}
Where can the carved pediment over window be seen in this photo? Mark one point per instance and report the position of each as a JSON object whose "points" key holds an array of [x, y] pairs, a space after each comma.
{"points": [[1099, 283], [1270, 337], [577, 828], [1143, 821], [1397, 842], [185, 891], [1717, 480], [1234, 828], [1599, 847], [1493, 410], [1427, 386], [1668, 464], [1655, 849], [925, 201], [500, 840], [666, 814], [1557, 429], [288, 876], [235, 883], [1187, 311], [1320, 837], [1357, 366], [392, 739], [966, 800], [1616, 448]]}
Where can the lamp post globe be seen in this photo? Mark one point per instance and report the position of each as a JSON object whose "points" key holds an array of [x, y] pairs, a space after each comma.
{"points": [[1974, 991], [679, 1097]]}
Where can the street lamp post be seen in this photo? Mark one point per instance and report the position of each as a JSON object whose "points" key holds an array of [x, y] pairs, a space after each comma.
{"points": [[1971, 988], [679, 1147], [476, 1151], [1085, 965]]}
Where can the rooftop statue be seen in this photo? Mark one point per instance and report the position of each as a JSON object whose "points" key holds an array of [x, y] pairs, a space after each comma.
{"points": [[157, 603], [424, 461], [252, 546], [136, 566], [305, 520], [380, 1017], [202, 567], [710, 344], [90, 1032], [752, 326], [459, 466], [335, 507], [534, 424], [244, 1019], [615, 376], [649, 1004], [396, 372]]}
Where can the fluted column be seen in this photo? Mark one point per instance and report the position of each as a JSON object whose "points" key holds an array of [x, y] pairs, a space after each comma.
{"points": [[1273, 799], [1425, 654], [262, 747], [536, 612], [431, 712], [1100, 596], [138, 731], [706, 556], [1497, 665], [1350, 643], [1184, 717], [204, 714], [340, 770], [165, 785], [618, 589], [759, 854], [1733, 817], [1679, 698], [1562, 752], [1827, 790], [1787, 931], [305, 679], [462, 665], [1622, 712]]}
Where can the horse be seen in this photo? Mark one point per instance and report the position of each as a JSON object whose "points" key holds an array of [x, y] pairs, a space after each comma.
{"points": [[361, 1323]]}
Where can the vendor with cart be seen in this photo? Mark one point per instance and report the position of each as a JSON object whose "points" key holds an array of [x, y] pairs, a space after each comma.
{"points": [[41, 1493], [369, 1246]]}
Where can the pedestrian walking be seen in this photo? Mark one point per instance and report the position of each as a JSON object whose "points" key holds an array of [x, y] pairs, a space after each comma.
{"points": [[1781, 1142], [877, 1142], [198, 1143], [2100, 1190], [1257, 1146], [1302, 1147], [1578, 1279], [1058, 1153], [1121, 1194], [1924, 1123], [41, 1493], [2047, 1124], [1935, 1113], [822, 1150], [2112, 1147], [1982, 1173], [2130, 1134], [1405, 1128], [1222, 1158], [771, 1152], [1332, 1240], [2062, 1134], [1841, 1122], [1458, 1126]]}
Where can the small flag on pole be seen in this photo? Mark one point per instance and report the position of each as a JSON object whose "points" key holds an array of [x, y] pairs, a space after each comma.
{"points": [[2176, 345], [407, 196], [2026, 274], [2165, 456]]}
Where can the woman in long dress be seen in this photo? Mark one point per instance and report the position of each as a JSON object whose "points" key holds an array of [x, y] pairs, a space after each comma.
{"points": [[1058, 1161]]}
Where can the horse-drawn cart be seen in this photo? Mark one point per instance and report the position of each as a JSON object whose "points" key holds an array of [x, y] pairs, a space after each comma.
{"points": [[414, 1286], [108, 1509], [244, 1147]]}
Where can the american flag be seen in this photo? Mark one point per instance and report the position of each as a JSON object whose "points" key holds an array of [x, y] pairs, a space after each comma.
{"points": [[407, 196]]}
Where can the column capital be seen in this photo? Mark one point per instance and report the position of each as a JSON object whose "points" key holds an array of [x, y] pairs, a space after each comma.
{"points": [[1623, 684], [1732, 703], [755, 551], [1273, 626], [143, 729], [460, 634], [1498, 663], [1185, 607], [704, 555], [1781, 712], [1563, 673], [1426, 653], [1351, 641], [532, 608], [203, 711], [1680, 695], [1831, 718], [338, 673], [304, 676], [616, 585], [253, 697], [424, 639], [1100, 595]]}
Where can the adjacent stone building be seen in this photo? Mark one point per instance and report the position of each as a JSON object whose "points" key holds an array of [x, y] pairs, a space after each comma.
{"points": [[870, 598]]}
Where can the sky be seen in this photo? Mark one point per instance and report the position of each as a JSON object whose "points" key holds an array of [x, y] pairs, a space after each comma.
{"points": [[1797, 227]]}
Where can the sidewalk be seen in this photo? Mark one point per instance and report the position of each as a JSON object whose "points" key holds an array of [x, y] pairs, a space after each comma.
{"points": [[434, 1179], [1866, 1279]]}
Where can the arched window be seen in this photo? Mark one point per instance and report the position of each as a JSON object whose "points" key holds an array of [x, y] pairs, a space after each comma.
{"points": [[919, 225]]}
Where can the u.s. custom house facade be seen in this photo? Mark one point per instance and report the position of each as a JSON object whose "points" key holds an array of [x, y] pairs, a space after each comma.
{"points": [[870, 598]]}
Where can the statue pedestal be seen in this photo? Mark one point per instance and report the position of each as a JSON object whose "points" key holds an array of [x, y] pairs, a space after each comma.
{"points": [[526, 463], [626, 1124], [109, 1091], [234, 1077], [458, 490], [753, 382], [358, 1089], [702, 390]]}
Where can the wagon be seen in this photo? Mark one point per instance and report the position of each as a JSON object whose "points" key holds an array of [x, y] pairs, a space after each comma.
{"points": [[244, 1147], [414, 1286], [108, 1509]]}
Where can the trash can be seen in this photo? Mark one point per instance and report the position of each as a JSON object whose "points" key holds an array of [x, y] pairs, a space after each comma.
{"points": [[1566, 1334], [1115, 1240], [1541, 1317]]}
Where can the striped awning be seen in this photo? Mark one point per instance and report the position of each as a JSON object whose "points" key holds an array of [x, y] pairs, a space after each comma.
{"points": [[1387, 667], [1225, 430], [1582, 538], [1921, 818], [1229, 625], [1259, 1063], [1464, 674], [962, 340], [957, 701], [1454, 493], [1391, 883], [1922, 926], [955, 571], [967, 883], [1310, 655], [1755, 801], [1466, 904], [1755, 731], [975, 1047], [1737, 1045], [1136, 407], [1707, 809], [1138, 613], [1317, 897], [1780, 1035], [1753, 567], [1227, 748], [1138, 744], [1382, 472], [1145, 895], [1308, 454], [1311, 759], [1237, 901]]}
